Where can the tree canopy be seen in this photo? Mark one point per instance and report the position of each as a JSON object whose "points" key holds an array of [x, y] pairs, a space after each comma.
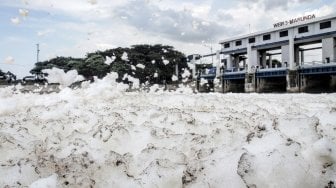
{"points": [[152, 63], [1, 73]]}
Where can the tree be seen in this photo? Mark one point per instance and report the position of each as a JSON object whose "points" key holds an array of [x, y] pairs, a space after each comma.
{"points": [[96, 66], [148, 60], [58, 62], [1, 73], [276, 63]]}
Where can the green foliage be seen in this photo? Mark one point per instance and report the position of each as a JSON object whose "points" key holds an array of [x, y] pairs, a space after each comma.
{"points": [[95, 66], [151, 56], [276, 62], [58, 62]]}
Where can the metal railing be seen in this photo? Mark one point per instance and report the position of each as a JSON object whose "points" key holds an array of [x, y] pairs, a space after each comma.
{"points": [[318, 63]]}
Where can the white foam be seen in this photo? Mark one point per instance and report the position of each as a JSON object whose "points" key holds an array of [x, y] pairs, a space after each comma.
{"points": [[140, 66], [165, 62], [174, 78], [109, 60], [56, 75], [103, 135], [124, 56], [49, 182]]}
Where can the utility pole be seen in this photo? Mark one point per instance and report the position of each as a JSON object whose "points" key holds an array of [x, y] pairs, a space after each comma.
{"points": [[38, 52], [210, 47], [211, 54]]}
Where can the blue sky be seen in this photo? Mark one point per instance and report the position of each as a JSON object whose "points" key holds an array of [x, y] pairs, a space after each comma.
{"points": [[75, 27]]}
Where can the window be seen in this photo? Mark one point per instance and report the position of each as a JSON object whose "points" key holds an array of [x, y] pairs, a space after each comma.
{"points": [[227, 45], [238, 43], [325, 25], [267, 37], [303, 29], [283, 33], [193, 57], [251, 40]]}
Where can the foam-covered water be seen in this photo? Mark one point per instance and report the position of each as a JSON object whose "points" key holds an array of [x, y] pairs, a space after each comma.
{"points": [[102, 136]]}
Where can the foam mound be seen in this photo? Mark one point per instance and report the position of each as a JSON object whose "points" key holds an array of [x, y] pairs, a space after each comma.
{"points": [[100, 135]]}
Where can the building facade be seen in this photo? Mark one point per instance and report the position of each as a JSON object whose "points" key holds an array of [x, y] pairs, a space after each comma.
{"points": [[249, 64], [287, 38]]}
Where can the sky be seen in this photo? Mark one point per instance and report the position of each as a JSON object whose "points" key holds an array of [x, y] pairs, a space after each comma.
{"points": [[77, 27]]}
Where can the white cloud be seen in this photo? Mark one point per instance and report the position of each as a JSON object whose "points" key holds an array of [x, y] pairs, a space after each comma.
{"points": [[23, 12], [201, 11], [80, 9], [45, 32], [15, 20], [73, 28], [9, 60], [93, 2], [322, 11], [104, 46]]}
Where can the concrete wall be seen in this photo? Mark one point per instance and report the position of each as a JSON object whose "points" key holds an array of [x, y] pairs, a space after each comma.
{"points": [[293, 81], [252, 59], [285, 55], [229, 61], [250, 83], [328, 49]]}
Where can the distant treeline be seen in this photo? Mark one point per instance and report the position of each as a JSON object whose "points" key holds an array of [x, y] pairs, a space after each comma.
{"points": [[152, 63], [7, 77]]}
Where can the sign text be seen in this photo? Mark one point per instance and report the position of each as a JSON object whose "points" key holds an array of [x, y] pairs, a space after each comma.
{"points": [[295, 20]]}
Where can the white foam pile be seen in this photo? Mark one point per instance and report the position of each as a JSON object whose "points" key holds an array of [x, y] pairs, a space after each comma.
{"points": [[102, 136], [65, 79]]}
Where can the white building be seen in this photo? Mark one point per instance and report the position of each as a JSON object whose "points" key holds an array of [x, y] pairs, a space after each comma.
{"points": [[287, 37]]}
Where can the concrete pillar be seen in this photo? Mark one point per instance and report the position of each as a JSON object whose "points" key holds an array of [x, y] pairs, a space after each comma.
{"points": [[236, 61], [252, 63], [263, 59], [285, 55], [297, 56], [218, 62], [252, 58], [291, 54], [249, 58], [270, 61], [292, 75], [229, 62], [193, 68], [302, 57], [334, 60], [292, 81], [328, 49]]}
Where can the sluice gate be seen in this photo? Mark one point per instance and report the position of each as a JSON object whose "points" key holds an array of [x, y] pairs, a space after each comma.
{"points": [[298, 57]]}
